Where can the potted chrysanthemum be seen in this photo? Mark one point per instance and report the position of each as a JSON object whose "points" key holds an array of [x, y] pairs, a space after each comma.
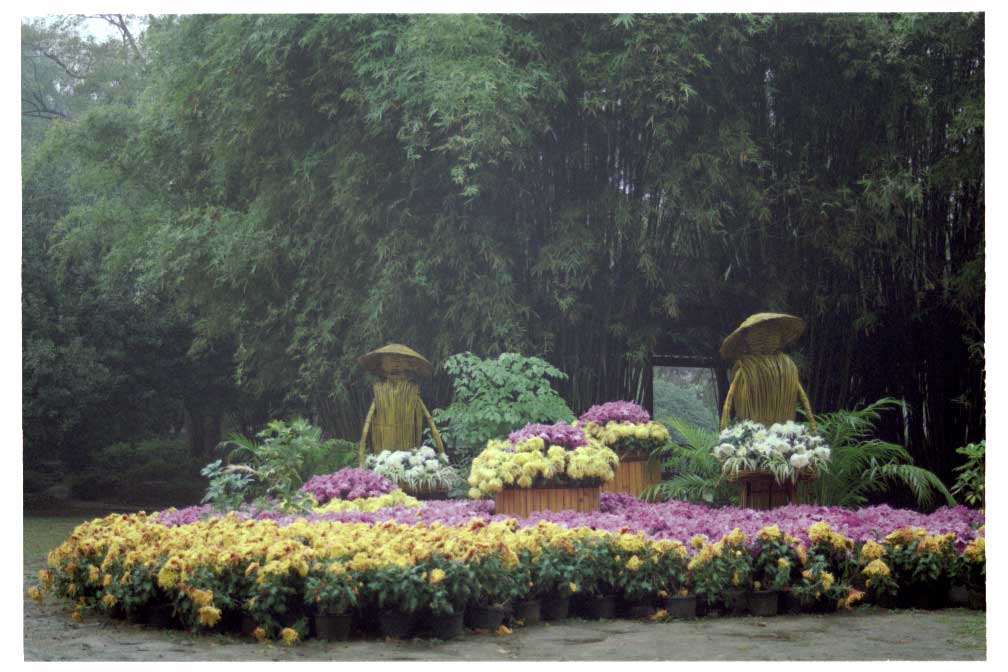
{"points": [[331, 593], [553, 578], [627, 429], [769, 461], [450, 585], [496, 586]]}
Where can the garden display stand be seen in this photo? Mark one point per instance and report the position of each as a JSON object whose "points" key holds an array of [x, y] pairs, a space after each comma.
{"points": [[424, 492], [397, 414], [635, 473], [520, 502], [765, 389], [760, 490]]}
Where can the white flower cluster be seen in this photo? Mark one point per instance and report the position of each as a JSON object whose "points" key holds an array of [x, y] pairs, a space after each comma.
{"points": [[421, 465], [752, 445]]}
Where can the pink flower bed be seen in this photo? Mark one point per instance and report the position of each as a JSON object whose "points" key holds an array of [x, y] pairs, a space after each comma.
{"points": [[667, 520]]}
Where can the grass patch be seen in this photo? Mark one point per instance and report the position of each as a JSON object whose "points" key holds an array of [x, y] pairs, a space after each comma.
{"points": [[43, 533]]}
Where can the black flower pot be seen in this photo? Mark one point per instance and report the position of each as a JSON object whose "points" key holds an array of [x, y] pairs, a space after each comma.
{"points": [[928, 597], [978, 600], [704, 607], [554, 608], [248, 625], [529, 612], [681, 607], [735, 603], [788, 604], [444, 626], [485, 617], [333, 627], [958, 596], [595, 607], [763, 602], [635, 609], [161, 616], [396, 624], [821, 606], [117, 612]]}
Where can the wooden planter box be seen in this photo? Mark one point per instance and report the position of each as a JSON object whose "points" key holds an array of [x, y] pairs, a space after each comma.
{"points": [[520, 502], [634, 474], [760, 490]]}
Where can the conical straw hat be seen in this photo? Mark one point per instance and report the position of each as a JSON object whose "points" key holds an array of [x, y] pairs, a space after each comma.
{"points": [[762, 334], [395, 359]]}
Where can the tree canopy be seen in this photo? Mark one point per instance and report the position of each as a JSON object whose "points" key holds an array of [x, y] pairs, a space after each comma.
{"points": [[587, 188]]}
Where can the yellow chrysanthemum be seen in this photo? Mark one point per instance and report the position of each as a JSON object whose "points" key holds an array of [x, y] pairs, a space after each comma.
{"points": [[35, 593], [437, 575], [209, 616], [109, 600], [259, 634], [289, 636], [634, 563], [876, 568]]}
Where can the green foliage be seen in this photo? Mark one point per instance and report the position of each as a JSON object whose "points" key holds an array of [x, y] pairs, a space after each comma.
{"points": [[331, 592], [277, 465], [691, 398], [861, 465], [970, 482], [582, 187], [493, 397], [695, 474]]}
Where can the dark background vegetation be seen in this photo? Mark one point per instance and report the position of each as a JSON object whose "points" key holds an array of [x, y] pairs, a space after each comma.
{"points": [[220, 213]]}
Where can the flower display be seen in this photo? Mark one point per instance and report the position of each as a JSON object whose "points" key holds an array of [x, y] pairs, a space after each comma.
{"points": [[529, 459], [451, 554], [783, 449], [414, 468], [624, 427], [368, 504], [558, 434], [615, 411], [349, 483]]}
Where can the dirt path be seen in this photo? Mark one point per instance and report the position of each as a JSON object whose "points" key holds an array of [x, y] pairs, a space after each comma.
{"points": [[865, 634]]}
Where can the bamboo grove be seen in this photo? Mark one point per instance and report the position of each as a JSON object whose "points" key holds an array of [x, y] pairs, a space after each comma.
{"points": [[591, 189]]}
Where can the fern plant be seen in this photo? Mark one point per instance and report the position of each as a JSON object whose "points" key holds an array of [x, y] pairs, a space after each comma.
{"points": [[861, 465], [696, 473]]}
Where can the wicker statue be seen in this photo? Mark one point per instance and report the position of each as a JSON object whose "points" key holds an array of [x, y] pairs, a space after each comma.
{"points": [[764, 386], [395, 419]]}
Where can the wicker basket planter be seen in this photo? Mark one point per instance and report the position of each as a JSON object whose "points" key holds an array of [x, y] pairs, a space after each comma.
{"points": [[424, 491], [549, 496], [634, 474], [760, 490]]}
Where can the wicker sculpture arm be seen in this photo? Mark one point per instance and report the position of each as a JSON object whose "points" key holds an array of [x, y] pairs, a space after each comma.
{"points": [[362, 450], [807, 406], [433, 428], [728, 401]]}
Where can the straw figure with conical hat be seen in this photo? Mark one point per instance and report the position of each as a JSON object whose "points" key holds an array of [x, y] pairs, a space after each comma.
{"points": [[764, 386], [395, 419]]}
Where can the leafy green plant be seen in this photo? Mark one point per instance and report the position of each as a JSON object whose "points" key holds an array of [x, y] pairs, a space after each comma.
{"points": [[277, 465], [332, 591], [493, 397], [861, 465], [970, 481], [696, 473]]}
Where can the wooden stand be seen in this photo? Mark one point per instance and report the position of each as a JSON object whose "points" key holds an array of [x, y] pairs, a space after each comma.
{"points": [[520, 502], [760, 490], [634, 474]]}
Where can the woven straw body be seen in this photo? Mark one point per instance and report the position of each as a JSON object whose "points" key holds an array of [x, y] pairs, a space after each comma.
{"points": [[396, 359], [762, 334], [397, 422], [766, 388]]}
